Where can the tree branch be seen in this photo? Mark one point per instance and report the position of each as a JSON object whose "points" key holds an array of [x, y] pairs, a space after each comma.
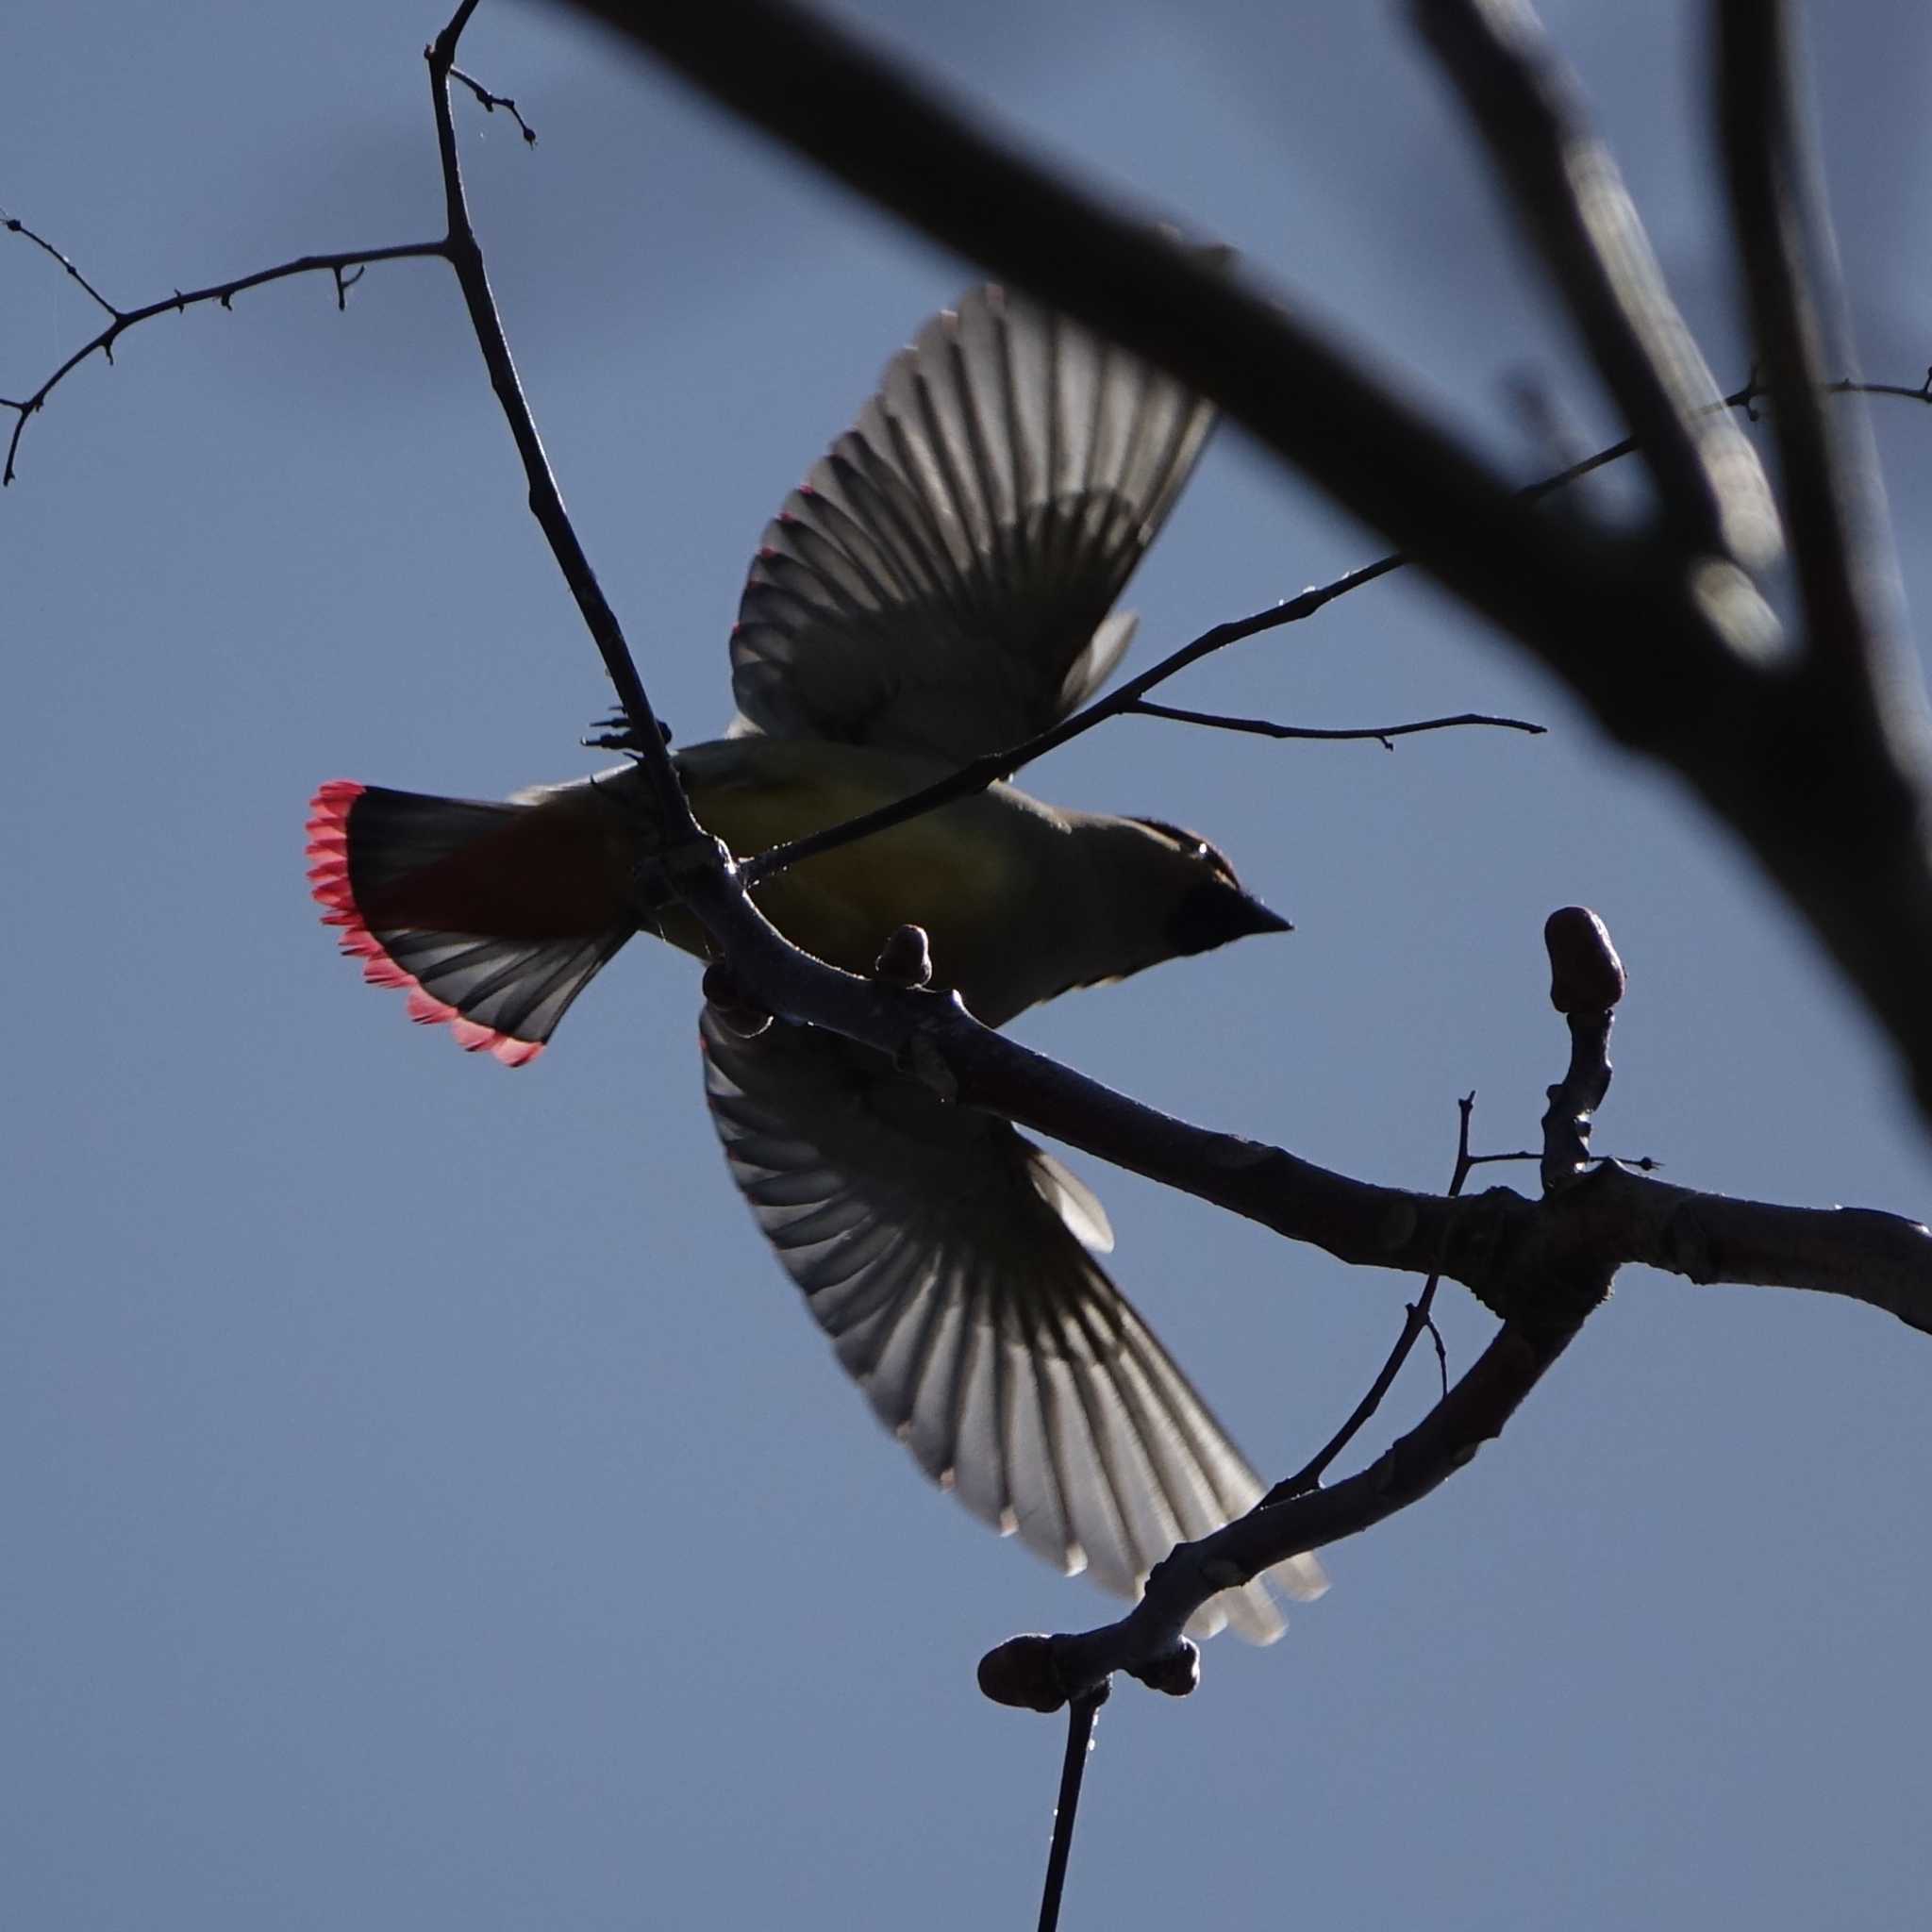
{"points": [[1575, 210], [121, 319], [1417, 1317], [490, 103], [1040, 1672], [1500, 1245], [1618, 619], [902, 143], [1127, 697], [1779, 218], [546, 500], [1382, 734]]}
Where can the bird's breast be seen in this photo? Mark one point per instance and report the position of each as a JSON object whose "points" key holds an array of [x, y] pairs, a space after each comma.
{"points": [[969, 873]]}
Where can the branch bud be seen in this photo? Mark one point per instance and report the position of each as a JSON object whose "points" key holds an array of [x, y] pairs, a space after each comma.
{"points": [[906, 959], [1021, 1673], [1586, 975]]}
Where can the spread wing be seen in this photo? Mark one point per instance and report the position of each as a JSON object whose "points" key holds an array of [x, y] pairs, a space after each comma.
{"points": [[942, 1254], [941, 582]]}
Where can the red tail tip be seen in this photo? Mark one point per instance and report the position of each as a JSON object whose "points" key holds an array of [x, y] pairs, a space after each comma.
{"points": [[327, 850]]}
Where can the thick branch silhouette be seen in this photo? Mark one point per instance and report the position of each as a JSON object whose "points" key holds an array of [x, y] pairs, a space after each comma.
{"points": [[1661, 633], [1501, 1245], [1497, 1243]]}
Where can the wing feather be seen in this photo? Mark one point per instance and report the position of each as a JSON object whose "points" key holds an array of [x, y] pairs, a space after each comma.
{"points": [[943, 1255], [941, 582]]}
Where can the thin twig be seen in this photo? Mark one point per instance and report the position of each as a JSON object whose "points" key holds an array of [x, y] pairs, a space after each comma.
{"points": [[491, 102], [182, 300], [1041, 1673], [546, 500], [15, 227], [979, 773], [1380, 734], [1081, 1712], [1417, 1317]]}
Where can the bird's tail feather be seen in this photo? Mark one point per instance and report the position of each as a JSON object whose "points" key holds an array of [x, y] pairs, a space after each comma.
{"points": [[493, 917]]}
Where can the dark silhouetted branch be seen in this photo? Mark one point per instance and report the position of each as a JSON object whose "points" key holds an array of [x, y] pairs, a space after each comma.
{"points": [[1417, 1317], [982, 772], [1036, 1673], [1575, 209], [1789, 264], [1623, 620], [490, 103], [1380, 734], [546, 500], [1081, 1713], [121, 319]]}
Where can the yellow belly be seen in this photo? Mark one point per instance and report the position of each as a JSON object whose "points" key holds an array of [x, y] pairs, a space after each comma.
{"points": [[960, 872]]}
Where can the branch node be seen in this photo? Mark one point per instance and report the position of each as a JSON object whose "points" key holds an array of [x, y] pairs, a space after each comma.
{"points": [[1174, 1672]]}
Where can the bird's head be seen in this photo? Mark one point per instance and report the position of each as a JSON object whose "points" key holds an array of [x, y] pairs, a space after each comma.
{"points": [[1208, 905]]}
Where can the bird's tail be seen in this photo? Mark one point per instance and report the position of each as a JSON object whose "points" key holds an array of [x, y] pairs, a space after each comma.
{"points": [[493, 917]]}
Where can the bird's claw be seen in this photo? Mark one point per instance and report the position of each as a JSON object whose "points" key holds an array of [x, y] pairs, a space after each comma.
{"points": [[616, 733]]}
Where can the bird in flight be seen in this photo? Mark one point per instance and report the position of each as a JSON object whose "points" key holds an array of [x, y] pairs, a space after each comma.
{"points": [[941, 587]]}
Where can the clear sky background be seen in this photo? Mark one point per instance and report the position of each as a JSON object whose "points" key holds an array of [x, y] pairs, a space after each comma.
{"points": [[423, 1500]]}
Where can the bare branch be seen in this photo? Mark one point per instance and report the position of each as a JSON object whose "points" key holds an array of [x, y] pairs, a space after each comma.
{"points": [[902, 142], [1617, 619], [1586, 983], [982, 772], [1576, 211], [490, 102], [1839, 543], [1499, 1246], [546, 500], [1477, 1411], [1125, 698], [1416, 1318], [121, 319], [1381, 734], [15, 227], [1503, 1247], [1081, 1713]]}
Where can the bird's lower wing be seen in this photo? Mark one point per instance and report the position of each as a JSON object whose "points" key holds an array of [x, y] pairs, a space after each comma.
{"points": [[934, 1247]]}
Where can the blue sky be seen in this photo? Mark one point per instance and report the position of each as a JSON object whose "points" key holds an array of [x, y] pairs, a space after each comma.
{"points": [[425, 1501]]}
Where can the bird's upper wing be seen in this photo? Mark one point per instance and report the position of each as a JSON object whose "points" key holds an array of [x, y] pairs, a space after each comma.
{"points": [[939, 1251], [941, 582]]}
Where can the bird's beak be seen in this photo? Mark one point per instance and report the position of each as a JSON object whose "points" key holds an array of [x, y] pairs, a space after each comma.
{"points": [[1255, 917], [1216, 912]]}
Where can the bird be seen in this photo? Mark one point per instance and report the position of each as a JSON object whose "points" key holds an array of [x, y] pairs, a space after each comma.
{"points": [[941, 586]]}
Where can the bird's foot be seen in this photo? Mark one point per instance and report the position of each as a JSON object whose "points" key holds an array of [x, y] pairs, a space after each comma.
{"points": [[617, 733]]}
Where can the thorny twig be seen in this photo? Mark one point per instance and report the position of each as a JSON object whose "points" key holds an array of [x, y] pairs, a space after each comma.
{"points": [[121, 319]]}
